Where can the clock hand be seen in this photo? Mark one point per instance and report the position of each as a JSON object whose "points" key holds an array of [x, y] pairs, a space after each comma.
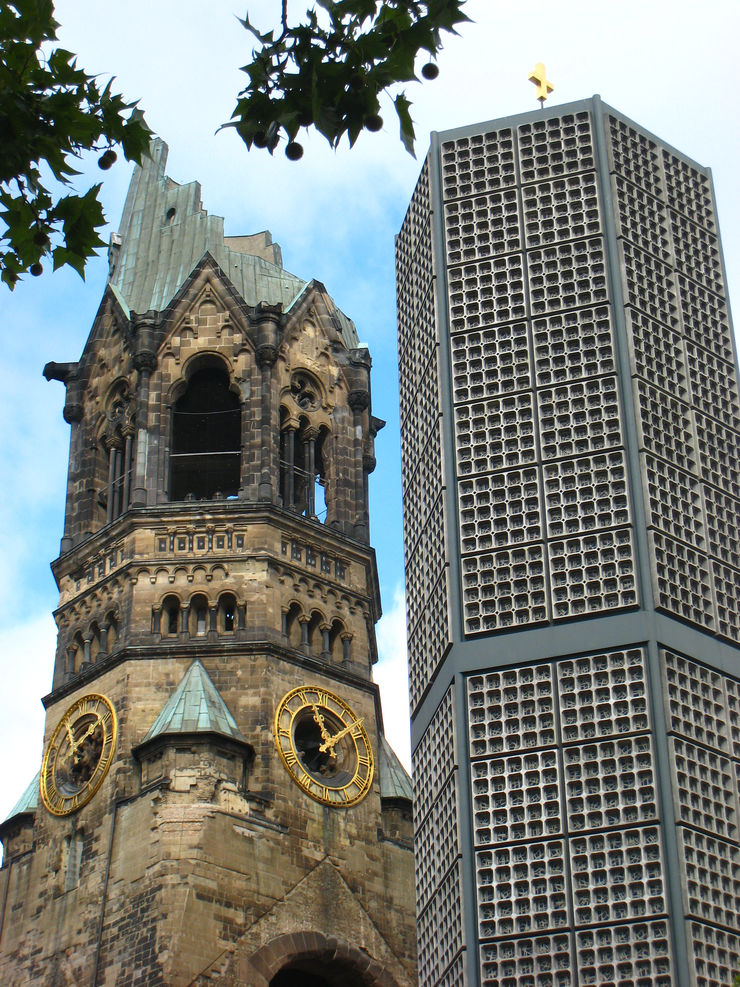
{"points": [[332, 741], [90, 730], [71, 736], [319, 719]]}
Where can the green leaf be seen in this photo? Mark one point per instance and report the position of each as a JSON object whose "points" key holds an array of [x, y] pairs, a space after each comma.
{"points": [[408, 136], [51, 113], [316, 65]]}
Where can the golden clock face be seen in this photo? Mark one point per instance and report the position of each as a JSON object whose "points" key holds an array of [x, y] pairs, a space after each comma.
{"points": [[77, 757], [324, 746]]}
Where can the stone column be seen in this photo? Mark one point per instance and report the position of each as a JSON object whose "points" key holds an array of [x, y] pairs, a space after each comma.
{"points": [[128, 432], [310, 435], [73, 411], [269, 320], [303, 621], [110, 446], [289, 468], [358, 402], [145, 361]]}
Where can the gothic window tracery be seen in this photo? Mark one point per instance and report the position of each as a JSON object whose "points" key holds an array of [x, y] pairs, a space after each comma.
{"points": [[205, 455], [116, 442], [304, 448]]}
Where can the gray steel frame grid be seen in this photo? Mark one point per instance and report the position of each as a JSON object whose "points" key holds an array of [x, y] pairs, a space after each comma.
{"points": [[645, 626]]}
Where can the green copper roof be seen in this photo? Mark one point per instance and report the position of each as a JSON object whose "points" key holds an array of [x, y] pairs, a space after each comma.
{"points": [[195, 706], [165, 232], [29, 800], [395, 782]]}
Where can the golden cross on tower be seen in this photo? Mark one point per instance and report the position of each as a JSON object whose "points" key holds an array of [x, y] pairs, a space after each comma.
{"points": [[539, 78]]}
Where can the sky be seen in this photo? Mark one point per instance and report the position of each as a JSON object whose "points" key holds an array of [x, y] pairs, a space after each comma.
{"points": [[672, 67]]}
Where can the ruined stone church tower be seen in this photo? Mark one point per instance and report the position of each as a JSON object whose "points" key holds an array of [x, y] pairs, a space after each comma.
{"points": [[217, 801]]}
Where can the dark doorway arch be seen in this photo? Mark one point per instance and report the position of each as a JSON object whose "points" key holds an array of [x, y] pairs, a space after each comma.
{"points": [[312, 959], [298, 978], [319, 971]]}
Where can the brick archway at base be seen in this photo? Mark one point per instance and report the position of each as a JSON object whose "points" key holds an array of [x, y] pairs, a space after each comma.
{"points": [[313, 947]]}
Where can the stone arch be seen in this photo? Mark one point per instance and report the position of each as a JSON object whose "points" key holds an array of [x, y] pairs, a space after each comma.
{"points": [[338, 641], [333, 961], [171, 607], [94, 638], [316, 626], [292, 623], [179, 574], [75, 653], [199, 360], [110, 630]]}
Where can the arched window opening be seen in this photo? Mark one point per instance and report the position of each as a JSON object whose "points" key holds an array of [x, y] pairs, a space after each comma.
{"points": [[199, 616], [206, 438], [293, 626], [315, 637], [227, 613], [75, 654], [335, 640], [94, 641], [303, 466], [111, 633], [303, 469], [170, 616]]}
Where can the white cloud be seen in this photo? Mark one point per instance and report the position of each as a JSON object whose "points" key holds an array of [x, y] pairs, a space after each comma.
{"points": [[28, 657], [391, 674]]}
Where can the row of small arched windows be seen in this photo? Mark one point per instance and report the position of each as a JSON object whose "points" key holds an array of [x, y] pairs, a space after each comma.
{"points": [[310, 632], [198, 617], [314, 634], [89, 646]]}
